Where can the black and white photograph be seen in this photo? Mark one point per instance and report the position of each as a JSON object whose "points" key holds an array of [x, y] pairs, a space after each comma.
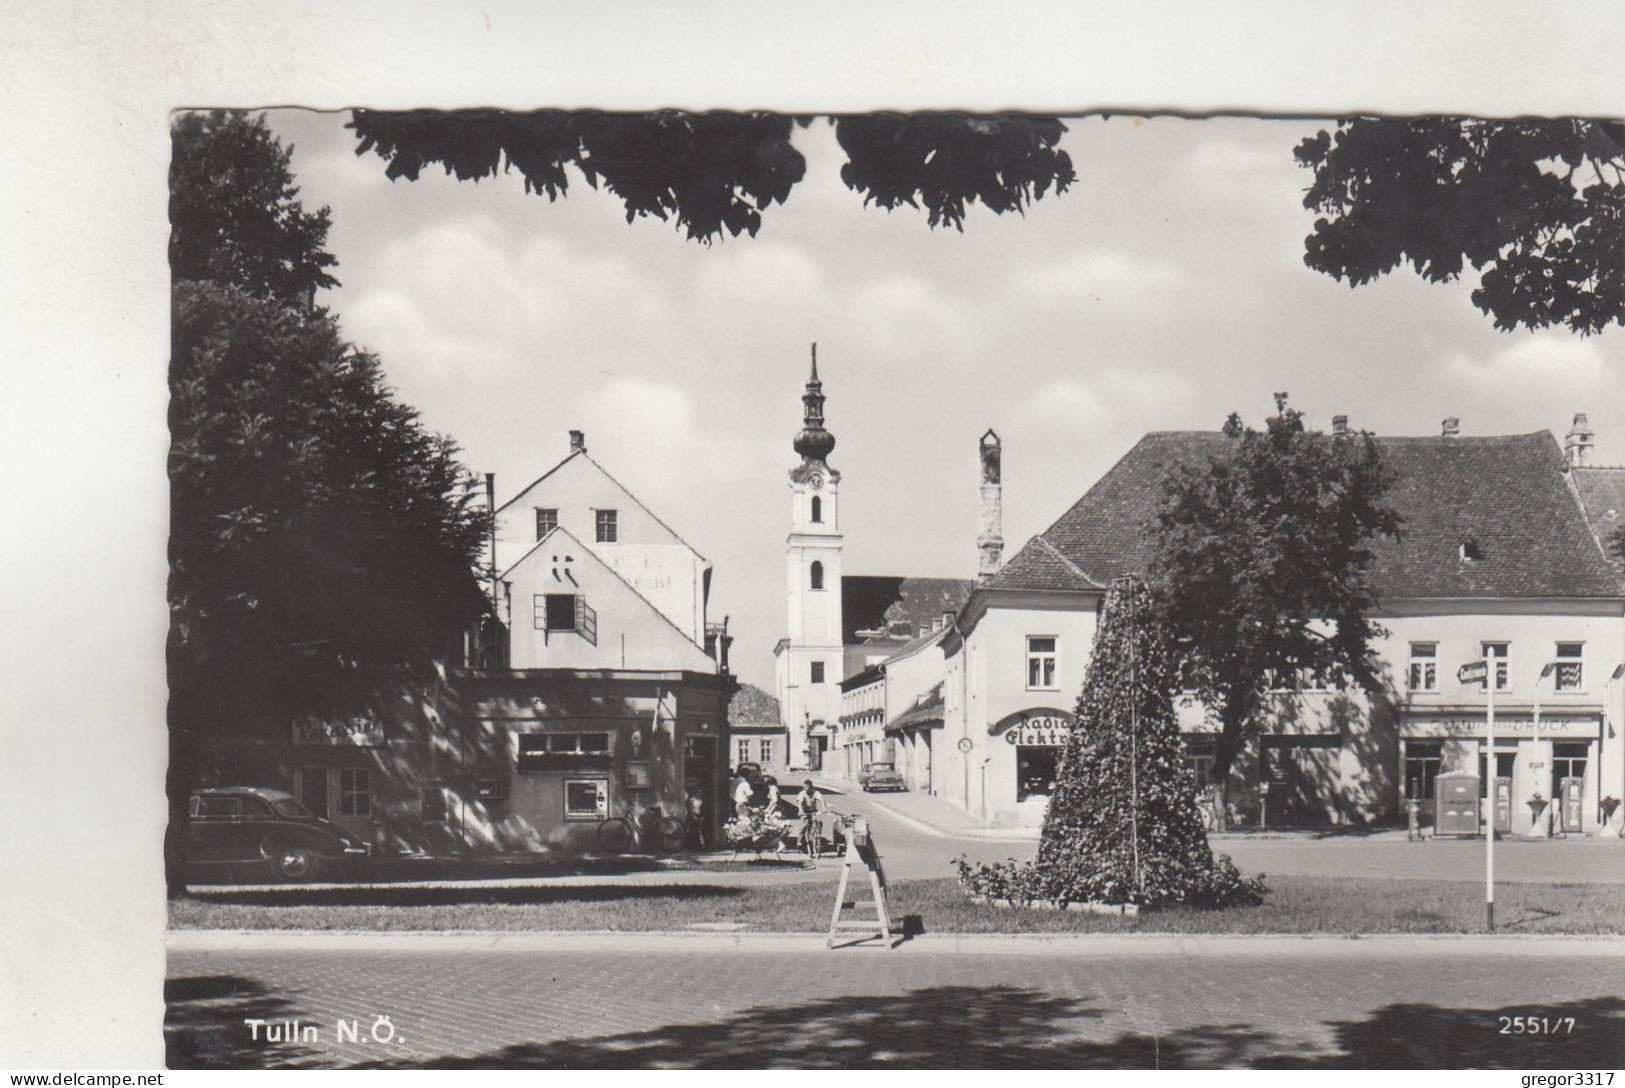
{"points": [[1021, 583]]}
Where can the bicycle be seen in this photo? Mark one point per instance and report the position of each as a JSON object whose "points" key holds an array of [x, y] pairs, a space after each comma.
{"points": [[617, 834]]}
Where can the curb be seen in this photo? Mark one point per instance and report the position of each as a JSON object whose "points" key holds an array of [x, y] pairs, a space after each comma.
{"points": [[677, 943]]}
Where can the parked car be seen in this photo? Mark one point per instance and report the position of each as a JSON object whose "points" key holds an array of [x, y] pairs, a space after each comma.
{"points": [[880, 776], [239, 826]]}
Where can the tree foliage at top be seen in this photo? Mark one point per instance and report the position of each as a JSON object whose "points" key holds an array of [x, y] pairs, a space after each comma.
{"points": [[1537, 205], [234, 211], [711, 173], [1122, 824], [1261, 569]]}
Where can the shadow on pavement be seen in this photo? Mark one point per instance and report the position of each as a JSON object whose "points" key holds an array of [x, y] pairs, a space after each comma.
{"points": [[1004, 1027], [204, 1029]]}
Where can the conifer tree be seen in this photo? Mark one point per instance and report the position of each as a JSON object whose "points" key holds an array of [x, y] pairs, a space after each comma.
{"points": [[1122, 824]]}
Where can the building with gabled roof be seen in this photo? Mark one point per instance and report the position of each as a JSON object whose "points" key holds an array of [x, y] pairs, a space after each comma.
{"points": [[1500, 555]]}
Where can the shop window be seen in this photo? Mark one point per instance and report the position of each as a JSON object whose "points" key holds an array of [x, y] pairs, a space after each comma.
{"points": [[1035, 771], [1504, 762], [815, 574], [586, 798], [1040, 663], [1423, 760], [355, 792], [1568, 761], [607, 527], [1424, 666], [766, 746], [312, 790], [1499, 657], [817, 509], [1570, 666], [547, 519], [744, 751], [818, 672]]}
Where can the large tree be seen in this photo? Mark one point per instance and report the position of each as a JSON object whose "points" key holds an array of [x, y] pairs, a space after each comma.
{"points": [[719, 172], [1536, 205], [234, 210], [1261, 570], [319, 534]]}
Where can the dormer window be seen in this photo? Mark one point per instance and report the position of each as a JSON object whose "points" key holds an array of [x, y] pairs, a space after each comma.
{"points": [[817, 509], [1470, 551]]}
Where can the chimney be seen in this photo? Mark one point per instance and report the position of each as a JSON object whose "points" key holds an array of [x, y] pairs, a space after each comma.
{"points": [[578, 442], [990, 542], [1452, 427], [1578, 446], [1340, 425]]}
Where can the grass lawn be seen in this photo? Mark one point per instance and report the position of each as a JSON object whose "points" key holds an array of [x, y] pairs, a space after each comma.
{"points": [[1294, 905]]}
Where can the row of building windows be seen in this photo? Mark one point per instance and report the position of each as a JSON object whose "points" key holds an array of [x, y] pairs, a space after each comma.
{"points": [[1567, 666], [605, 523]]}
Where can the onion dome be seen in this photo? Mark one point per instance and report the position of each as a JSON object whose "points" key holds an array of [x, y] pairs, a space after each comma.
{"points": [[812, 441]]}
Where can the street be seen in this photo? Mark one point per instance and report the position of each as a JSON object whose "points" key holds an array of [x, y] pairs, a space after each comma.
{"points": [[1295, 1006], [606, 1000]]}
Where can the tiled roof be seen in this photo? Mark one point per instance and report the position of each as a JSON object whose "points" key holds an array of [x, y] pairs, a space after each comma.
{"points": [[927, 708], [1508, 495], [905, 607], [1602, 493], [752, 706], [1040, 565]]}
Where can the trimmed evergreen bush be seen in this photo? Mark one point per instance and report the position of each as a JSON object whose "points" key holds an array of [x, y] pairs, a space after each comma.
{"points": [[1122, 824]]}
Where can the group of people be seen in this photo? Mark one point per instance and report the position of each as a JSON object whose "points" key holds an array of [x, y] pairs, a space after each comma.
{"points": [[808, 806]]}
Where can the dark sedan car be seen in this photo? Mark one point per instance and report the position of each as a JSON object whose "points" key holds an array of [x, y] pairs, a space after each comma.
{"points": [[237, 826], [880, 776]]}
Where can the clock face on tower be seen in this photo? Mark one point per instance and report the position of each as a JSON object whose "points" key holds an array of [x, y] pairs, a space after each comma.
{"points": [[815, 480]]}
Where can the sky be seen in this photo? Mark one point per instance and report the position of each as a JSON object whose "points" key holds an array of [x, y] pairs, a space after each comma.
{"points": [[1164, 290]]}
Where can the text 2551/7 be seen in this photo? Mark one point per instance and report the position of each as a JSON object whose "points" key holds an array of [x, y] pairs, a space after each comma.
{"points": [[1536, 1025]]}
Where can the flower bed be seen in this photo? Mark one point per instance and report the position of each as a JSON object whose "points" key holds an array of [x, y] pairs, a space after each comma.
{"points": [[756, 831]]}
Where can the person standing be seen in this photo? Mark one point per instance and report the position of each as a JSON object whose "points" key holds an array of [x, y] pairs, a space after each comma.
{"points": [[697, 831], [812, 832], [742, 795]]}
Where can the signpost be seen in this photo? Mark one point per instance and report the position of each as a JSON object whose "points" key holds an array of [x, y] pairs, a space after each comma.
{"points": [[1470, 673]]}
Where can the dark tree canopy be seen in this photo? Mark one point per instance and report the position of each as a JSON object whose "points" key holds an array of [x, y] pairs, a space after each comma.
{"points": [[712, 173], [1536, 205], [234, 213], [1261, 567]]}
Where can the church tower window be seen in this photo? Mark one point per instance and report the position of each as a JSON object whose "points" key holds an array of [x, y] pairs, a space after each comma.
{"points": [[817, 572], [817, 508]]}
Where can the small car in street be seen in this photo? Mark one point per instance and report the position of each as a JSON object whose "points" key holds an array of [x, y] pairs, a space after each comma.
{"points": [[880, 776], [230, 828]]}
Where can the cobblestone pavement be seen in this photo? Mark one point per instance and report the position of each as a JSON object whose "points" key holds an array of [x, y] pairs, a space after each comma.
{"points": [[871, 1008]]}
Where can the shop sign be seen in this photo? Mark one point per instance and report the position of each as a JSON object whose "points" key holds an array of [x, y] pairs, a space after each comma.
{"points": [[1040, 730], [1506, 725], [362, 732]]}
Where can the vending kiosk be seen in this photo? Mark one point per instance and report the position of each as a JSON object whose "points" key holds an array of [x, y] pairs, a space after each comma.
{"points": [[1456, 802], [1569, 811], [1503, 806]]}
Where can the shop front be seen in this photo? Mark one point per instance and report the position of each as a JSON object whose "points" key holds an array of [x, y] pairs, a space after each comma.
{"points": [[1021, 764], [1545, 775]]}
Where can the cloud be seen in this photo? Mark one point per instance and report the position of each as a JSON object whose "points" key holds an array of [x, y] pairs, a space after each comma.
{"points": [[1108, 397], [1097, 275], [1534, 360]]}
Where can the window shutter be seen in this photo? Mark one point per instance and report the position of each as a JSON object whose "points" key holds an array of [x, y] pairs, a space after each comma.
{"points": [[586, 620]]}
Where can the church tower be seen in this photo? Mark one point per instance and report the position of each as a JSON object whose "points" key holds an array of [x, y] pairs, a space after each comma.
{"points": [[809, 659]]}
